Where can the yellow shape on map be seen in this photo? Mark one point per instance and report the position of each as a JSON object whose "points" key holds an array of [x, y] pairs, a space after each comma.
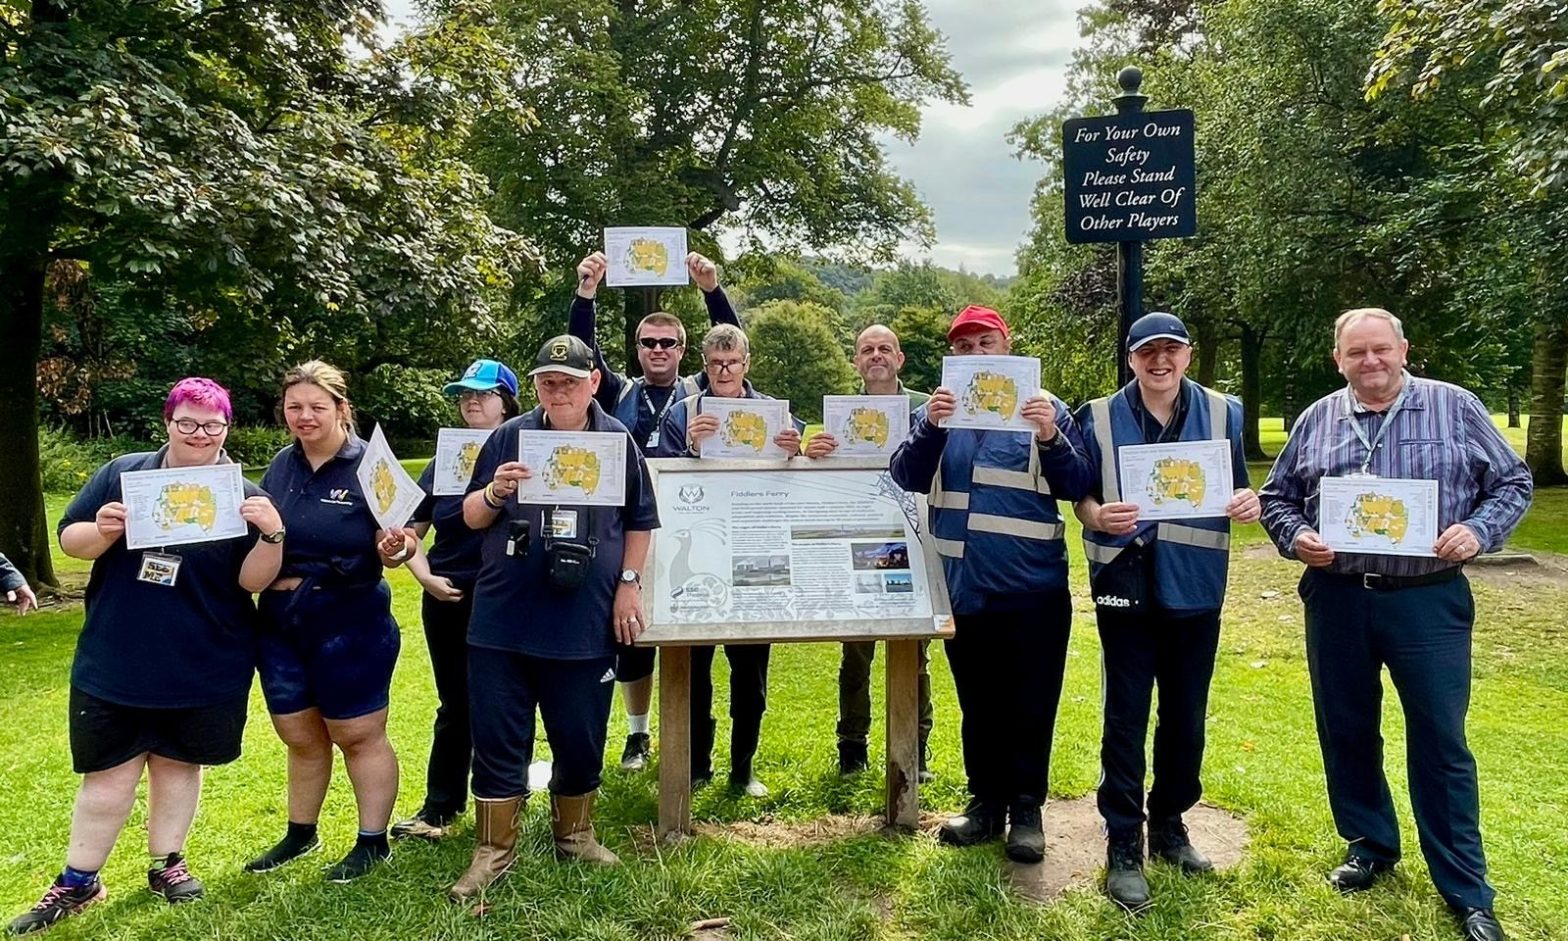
{"points": [[745, 428], [467, 457], [383, 485], [1174, 478], [992, 392], [1377, 514], [867, 424], [571, 466], [648, 255], [185, 505]]}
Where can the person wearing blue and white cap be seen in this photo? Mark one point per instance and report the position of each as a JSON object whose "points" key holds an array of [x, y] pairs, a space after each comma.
{"points": [[1158, 588], [486, 397]]}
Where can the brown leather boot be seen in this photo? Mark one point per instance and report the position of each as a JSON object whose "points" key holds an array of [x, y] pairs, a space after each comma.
{"points": [[572, 820], [495, 824]]}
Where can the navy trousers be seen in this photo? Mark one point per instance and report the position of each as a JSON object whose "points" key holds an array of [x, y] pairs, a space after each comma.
{"points": [[572, 696], [451, 748], [1422, 635], [748, 701]]}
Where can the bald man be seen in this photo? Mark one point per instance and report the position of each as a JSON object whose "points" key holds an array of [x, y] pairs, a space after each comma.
{"points": [[878, 359]]}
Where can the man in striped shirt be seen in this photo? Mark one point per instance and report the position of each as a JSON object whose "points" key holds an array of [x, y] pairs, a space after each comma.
{"points": [[1413, 614]]}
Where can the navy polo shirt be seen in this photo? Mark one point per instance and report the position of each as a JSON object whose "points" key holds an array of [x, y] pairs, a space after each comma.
{"points": [[332, 533], [149, 646], [515, 606], [454, 553]]}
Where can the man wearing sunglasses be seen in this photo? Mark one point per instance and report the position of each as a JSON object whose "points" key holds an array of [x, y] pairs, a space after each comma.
{"points": [[641, 405]]}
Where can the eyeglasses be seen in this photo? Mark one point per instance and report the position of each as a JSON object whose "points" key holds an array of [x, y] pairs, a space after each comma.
{"points": [[188, 426], [469, 395], [658, 343], [723, 367]]}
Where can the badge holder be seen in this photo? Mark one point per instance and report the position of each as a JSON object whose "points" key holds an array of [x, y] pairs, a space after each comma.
{"points": [[159, 568]]}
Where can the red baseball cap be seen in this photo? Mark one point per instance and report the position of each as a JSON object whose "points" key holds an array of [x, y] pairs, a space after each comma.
{"points": [[973, 318]]}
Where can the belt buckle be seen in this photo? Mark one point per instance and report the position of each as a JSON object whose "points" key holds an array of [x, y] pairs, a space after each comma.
{"points": [[1371, 581]]}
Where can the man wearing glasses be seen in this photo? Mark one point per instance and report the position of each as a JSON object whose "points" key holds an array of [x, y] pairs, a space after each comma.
{"points": [[641, 405], [726, 356]]}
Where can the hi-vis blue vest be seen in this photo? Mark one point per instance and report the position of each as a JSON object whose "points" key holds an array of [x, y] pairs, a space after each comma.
{"points": [[672, 433], [625, 410], [1191, 557]]}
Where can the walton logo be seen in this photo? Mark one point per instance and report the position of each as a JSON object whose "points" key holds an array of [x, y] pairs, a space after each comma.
{"points": [[691, 493], [1111, 601], [340, 497]]}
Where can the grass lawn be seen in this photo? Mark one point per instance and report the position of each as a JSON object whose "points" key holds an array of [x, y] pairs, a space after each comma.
{"points": [[1262, 763]]}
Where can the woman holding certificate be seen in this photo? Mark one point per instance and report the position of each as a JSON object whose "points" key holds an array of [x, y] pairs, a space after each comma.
{"points": [[566, 511], [163, 665], [328, 642], [486, 397], [1168, 479]]}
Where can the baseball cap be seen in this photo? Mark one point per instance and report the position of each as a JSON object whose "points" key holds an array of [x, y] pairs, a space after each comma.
{"points": [[1156, 326], [564, 354], [974, 318], [483, 375]]}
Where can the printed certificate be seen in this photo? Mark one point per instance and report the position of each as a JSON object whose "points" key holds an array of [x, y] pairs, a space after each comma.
{"points": [[1178, 480], [991, 391], [176, 506], [866, 424], [457, 450], [576, 467], [747, 427], [1378, 515], [645, 256], [391, 493]]}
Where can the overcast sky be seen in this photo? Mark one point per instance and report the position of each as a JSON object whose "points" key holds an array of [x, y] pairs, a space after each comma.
{"points": [[1014, 57]]}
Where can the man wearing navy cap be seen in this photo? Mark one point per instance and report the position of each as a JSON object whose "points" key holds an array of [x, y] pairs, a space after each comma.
{"points": [[1158, 588]]}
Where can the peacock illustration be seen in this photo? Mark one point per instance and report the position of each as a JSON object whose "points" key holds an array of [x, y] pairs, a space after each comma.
{"points": [[700, 588]]}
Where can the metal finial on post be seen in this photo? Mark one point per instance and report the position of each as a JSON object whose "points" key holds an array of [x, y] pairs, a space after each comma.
{"points": [[1130, 101]]}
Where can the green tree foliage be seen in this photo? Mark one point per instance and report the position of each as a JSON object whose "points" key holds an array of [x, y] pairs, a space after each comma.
{"points": [[795, 356]]}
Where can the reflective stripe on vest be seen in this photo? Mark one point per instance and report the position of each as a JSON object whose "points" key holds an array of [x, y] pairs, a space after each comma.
{"points": [[1008, 526], [950, 548], [1192, 536], [1104, 555], [1031, 481]]}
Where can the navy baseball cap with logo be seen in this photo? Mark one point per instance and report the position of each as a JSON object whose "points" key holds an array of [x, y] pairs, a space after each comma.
{"points": [[1156, 326], [482, 375], [564, 354]]}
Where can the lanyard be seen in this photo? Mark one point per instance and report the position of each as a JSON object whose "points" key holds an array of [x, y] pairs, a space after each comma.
{"points": [[658, 414], [1372, 444]]}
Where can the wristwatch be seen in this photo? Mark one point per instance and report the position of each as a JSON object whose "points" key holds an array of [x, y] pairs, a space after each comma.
{"points": [[631, 577], [273, 539]]}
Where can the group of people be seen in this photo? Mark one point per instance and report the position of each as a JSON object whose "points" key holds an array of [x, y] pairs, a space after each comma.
{"points": [[528, 607]]}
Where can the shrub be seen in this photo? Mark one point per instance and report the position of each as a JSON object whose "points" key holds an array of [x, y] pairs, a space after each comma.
{"points": [[255, 445]]}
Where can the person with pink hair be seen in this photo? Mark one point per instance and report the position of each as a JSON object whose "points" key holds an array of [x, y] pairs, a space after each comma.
{"points": [[163, 666]]}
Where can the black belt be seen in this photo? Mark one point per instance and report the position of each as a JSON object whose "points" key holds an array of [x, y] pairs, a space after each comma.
{"points": [[1375, 582]]}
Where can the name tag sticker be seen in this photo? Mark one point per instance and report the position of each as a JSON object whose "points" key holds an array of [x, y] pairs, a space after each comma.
{"points": [[563, 524], [159, 568]]}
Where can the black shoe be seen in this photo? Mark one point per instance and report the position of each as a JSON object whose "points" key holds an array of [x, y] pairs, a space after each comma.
{"points": [[700, 780], [1025, 833], [286, 851], [174, 881], [1357, 873], [1168, 841], [365, 856], [980, 822], [852, 758], [1124, 880], [634, 757], [1480, 924], [58, 903]]}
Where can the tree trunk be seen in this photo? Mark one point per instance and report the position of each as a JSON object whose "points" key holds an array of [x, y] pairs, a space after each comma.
{"points": [[1208, 353], [1251, 391], [1290, 398], [1513, 408], [1543, 449], [24, 532]]}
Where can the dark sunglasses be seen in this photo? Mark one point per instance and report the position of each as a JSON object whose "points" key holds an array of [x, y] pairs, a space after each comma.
{"points": [[659, 343]]}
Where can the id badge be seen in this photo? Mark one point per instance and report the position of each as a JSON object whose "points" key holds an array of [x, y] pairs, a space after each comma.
{"points": [[159, 568], [653, 440], [563, 524]]}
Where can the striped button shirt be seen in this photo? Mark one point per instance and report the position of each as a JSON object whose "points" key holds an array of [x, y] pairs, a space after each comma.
{"points": [[1441, 432]]}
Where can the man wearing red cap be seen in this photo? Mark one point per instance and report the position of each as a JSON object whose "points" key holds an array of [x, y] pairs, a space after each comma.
{"points": [[995, 524]]}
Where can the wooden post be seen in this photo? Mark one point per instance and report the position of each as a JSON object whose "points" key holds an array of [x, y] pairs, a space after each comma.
{"points": [[903, 741], [674, 742]]}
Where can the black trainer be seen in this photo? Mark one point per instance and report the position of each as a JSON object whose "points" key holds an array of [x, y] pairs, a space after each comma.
{"points": [[291, 847], [366, 855], [634, 757], [852, 757], [61, 901], [1168, 841], [1124, 879], [174, 881], [1357, 873], [1480, 924], [1025, 832], [980, 822]]}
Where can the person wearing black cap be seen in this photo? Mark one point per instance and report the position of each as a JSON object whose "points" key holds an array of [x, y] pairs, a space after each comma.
{"points": [[994, 521], [486, 396], [1158, 588], [538, 638], [641, 404]]}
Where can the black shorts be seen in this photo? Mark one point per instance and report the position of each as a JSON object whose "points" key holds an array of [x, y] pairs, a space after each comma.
{"points": [[633, 663], [106, 735]]}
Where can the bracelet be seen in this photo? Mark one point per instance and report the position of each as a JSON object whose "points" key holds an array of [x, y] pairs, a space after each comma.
{"points": [[492, 501]]}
